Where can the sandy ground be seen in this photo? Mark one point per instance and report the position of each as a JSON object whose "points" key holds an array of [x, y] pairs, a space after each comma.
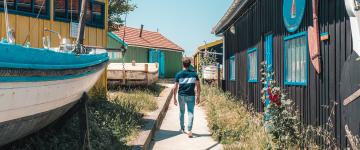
{"points": [[169, 137]]}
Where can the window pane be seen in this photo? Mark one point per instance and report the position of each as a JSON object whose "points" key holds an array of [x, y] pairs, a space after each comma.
{"points": [[98, 14], [232, 68], [303, 60], [10, 4], [293, 60], [60, 7], [40, 6], [73, 11], [296, 59], [24, 5], [287, 48], [252, 64]]}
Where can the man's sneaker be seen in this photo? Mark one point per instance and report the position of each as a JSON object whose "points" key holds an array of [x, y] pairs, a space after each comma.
{"points": [[190, 134], [182, 131]]}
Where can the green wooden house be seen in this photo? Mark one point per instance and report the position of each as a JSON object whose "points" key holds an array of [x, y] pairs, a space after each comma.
{"points": [[145, 47]]}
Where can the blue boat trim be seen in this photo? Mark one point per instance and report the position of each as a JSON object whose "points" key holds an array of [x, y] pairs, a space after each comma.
{"points": [[39, 66], [15, 56], [45, 78]]}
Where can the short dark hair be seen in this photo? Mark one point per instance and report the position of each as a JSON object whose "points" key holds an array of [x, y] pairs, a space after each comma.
{"points": [[186, 62]]}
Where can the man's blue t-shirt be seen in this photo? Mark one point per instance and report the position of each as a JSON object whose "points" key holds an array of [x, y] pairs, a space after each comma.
{"points": [[186, 80]]}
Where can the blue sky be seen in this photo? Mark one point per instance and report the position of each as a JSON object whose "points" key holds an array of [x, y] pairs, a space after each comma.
{"points": [[186, 22]]}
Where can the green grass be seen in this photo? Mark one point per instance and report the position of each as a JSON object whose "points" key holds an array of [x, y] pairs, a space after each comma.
{"points": [[143, 97], [232, 123], [112, 122]]}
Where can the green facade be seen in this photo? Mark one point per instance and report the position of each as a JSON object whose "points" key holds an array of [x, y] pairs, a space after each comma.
{"points": [[172, 64], [139, 54]]}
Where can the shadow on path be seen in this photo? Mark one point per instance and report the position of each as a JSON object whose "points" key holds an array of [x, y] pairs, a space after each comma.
{"points": [[213, 146], [165, 134]]}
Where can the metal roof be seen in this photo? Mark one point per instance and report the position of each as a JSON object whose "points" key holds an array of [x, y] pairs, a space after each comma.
{"points": [[229, 16]]}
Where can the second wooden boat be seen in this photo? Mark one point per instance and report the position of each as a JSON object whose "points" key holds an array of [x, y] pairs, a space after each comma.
{"points": [[133, 74]]}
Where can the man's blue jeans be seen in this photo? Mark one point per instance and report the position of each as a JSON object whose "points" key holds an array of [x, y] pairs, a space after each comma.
{"points": [[190, 104]]}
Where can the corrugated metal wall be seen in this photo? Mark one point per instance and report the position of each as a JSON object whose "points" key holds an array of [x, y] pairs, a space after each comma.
{"points": [[263, 17]]}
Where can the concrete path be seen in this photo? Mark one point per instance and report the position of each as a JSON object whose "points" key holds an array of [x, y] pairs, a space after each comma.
{"points": [[168, 137]]}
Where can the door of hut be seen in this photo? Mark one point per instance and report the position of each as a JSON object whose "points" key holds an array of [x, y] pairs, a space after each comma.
{"points": [[158, 56], [161, 56]]}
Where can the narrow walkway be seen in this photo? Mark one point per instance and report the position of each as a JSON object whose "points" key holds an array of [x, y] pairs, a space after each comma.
{"points": [[168, 137]]}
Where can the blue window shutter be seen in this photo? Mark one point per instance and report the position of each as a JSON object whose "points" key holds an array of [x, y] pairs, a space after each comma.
{"points": [[269, 53], [161, 60], [269, 62]]}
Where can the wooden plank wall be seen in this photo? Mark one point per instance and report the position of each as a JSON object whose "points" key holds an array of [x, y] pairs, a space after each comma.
{"points": [[24, 25], [264, 16]]}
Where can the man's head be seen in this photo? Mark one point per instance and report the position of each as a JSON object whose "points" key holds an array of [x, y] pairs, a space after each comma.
{"points": [[186, 63]]}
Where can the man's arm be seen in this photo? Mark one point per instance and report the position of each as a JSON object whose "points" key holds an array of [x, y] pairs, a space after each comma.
{"points": [[175, 92], [198, 91]]}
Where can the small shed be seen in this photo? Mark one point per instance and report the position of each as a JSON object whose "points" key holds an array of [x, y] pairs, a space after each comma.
{"points": [[145, 47], [214, 48]]}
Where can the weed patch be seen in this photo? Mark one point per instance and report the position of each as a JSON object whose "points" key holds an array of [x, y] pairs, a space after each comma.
{"points": [[232, 123], [112, 122]]}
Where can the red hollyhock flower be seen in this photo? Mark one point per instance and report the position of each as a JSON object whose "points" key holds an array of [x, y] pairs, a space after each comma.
{"points": [[274, 98]]}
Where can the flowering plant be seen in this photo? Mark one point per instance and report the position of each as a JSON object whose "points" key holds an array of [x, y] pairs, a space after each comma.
{"points": [[281, 118], [274, 98]]}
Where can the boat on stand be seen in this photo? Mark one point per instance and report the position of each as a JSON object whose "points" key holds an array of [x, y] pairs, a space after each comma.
{"points": [[38, 85]]}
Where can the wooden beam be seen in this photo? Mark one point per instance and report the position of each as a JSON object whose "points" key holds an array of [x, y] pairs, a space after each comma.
{"points": [[124, 76], [147, 74], [352, 97]]}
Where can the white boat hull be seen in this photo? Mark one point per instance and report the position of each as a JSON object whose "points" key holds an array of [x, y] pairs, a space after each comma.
{"points": [[29, 106]]}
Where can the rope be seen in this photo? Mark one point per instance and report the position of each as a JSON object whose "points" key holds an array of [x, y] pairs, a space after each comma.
{"points": [[37, 16], [9, 37], [123, 44], [71, 12]]}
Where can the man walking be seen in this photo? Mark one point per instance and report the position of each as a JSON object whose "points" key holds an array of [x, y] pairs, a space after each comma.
{"points": [[185, 82]]}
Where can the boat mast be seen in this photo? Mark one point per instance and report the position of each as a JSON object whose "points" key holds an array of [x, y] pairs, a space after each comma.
{"points": [[82, 21], [9, 37]]}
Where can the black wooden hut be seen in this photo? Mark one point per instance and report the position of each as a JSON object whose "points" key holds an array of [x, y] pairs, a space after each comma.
{"points": [[258, 30]]}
